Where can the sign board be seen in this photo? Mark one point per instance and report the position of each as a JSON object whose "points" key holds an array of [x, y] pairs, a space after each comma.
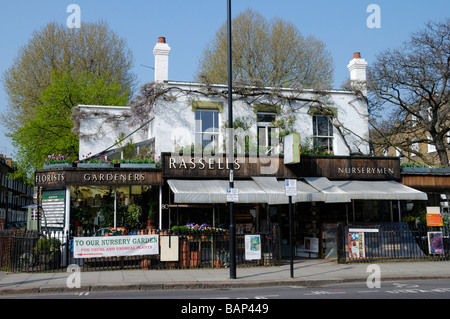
{"points": [[232, 195], [53, 206], [169, 248], [252, 247], [434, 217], [312, 244], [292, 148], [108, 246], [435, 243], [356, 245], [290, 187], [434, 220]]}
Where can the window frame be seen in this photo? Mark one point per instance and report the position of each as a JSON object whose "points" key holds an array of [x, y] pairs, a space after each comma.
{"points": [[198, 123], [266, 126], [330, 131]]}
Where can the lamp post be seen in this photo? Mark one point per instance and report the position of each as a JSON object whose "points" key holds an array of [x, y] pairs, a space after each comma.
{"points": [[231, 146]]}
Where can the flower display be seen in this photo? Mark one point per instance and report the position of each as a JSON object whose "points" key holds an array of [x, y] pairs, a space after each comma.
{"points": [[203, 228]]}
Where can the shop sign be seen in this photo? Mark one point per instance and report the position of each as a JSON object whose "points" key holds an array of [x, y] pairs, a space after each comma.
{"points": [[365, 170], [201, 163], [109, 246], [96, 177]]}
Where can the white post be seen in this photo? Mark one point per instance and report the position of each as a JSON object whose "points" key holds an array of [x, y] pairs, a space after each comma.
{"points": [[160, 207]]}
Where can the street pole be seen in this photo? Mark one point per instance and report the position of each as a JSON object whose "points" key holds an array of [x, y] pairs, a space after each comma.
{"points": [[231, 146], [291, 237]]}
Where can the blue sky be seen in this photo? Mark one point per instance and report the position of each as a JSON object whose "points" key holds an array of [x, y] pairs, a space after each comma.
{"points": [[189, 25]]}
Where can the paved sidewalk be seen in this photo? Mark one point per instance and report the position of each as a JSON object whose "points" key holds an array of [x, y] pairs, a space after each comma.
{"points": [[311, 273]]}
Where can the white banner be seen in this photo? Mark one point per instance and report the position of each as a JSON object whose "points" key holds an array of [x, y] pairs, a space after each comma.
{"points": [[108, 246]]}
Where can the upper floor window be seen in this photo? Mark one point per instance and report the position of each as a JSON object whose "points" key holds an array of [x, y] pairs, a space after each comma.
{"points": [[322, 133], [207, 129], [264, 122]]}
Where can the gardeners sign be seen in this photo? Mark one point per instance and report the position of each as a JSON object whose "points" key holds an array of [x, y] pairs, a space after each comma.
{"points": [[108, 246]]}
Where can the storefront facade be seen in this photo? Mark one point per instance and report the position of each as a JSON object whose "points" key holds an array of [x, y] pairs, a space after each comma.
{"points": [[330, 190], [192, 190], [82, 201]]}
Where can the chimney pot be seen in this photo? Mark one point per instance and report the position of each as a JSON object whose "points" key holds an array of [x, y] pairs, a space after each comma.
{"points": [[357, 68], [161, 53]]}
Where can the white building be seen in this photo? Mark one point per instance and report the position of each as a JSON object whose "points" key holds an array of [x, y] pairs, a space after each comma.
{"points": [[185, 117]]}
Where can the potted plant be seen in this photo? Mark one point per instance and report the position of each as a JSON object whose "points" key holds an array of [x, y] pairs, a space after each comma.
{"points": [[143, 162], [58, 161], [97, 161], [48, 251], [150, 218], [133, 217]]}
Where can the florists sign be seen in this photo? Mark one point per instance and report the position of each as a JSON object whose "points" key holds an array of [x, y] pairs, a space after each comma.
{"points": [[88, 247]]}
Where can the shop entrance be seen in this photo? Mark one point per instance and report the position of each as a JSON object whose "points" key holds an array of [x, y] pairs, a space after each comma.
{"points": [[128, 209]]}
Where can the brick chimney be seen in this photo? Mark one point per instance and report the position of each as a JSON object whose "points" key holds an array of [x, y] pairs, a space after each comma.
{"points": [[357, 68], [161, 53]]}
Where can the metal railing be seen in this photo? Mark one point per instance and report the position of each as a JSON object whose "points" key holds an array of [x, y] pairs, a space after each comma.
{"points": [[205, 249], [394, 241], [30, 251]]}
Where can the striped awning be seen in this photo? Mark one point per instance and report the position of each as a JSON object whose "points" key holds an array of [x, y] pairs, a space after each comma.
{"points": [[266, 190], [379, 190], [277, 193], [214, 191], [331, 192], [270, 191]]}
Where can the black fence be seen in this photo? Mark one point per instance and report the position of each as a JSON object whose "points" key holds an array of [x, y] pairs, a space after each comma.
{"points": [[30, 251], [393, 241], [26, 251]]}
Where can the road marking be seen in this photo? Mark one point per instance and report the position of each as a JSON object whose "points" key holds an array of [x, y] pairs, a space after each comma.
{"points": [[323, 292]]}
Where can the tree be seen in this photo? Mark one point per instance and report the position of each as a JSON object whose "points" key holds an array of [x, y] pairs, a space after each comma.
{"points": [[410, 87], [51, 130], [267, 53], [93, 54]]}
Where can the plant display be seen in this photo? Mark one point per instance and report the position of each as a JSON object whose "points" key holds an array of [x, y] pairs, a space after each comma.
{"points": [[58, 159], [97, 159], [133, 217]]}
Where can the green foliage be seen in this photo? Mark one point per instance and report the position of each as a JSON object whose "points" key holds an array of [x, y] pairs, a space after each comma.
{"points": [[267, 53], [47, 246], [51, 129], [133, 217], [412, 164], [307, 147], [130, 217]]}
